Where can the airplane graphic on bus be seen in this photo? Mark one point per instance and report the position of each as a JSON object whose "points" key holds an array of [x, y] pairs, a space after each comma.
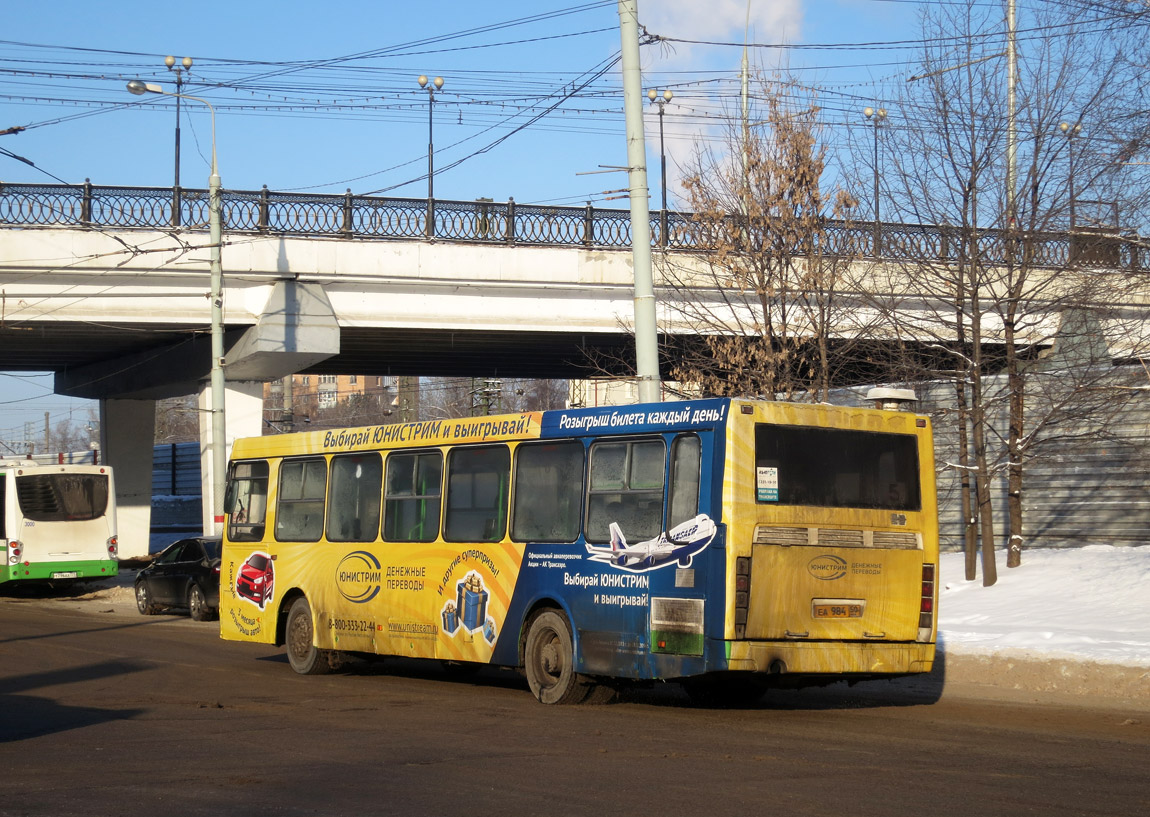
{"points": [[680, 544]]}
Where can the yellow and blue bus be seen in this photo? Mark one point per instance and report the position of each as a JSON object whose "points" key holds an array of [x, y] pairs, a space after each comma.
{"points": [[724, 543], [57, 522]]}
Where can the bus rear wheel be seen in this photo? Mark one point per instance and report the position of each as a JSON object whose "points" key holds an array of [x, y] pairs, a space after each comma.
{"points": [[299, 637], [549, 661]]}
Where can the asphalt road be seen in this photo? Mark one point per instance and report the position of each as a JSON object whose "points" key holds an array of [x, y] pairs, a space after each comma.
{"points": [[105, 712]]}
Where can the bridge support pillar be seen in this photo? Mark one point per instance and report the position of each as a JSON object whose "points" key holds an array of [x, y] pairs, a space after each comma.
{"points": [[126, 443], [243, 417]]}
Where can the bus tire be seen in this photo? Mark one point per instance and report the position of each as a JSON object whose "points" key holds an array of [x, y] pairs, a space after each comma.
{"points": [[198, 604], [549, 660], [299, 639], [144, 602], [600, 694]]}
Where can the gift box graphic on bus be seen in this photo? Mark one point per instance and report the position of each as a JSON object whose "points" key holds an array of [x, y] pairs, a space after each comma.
{"points": [[471, 602], [450, 618]]}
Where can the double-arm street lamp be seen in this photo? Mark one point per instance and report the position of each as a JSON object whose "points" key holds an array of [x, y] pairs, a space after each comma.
{"points": [[431, 87], [185, 65], [219, 438], [876, 116], [1071, 131], [661, 100]]}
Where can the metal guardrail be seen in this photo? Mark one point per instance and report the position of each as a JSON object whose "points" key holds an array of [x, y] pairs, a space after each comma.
{"points": [[373, 217]]}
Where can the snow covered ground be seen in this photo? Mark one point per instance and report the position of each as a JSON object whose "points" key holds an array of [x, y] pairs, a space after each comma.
{"points": [[1084, 604]]}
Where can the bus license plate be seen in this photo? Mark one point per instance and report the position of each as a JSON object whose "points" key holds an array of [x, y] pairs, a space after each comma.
{"points": [[838, 611], [70, 574]]}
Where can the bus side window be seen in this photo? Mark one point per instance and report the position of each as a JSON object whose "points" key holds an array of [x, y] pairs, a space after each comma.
{"points": [[247, 501], [686, 459], [477, 484], [627, 489], [412, 498], [353, 499], [299, 512], [548, 492]]}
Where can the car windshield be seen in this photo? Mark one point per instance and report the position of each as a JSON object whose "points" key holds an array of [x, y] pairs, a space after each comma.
{"points": [[258, 562]]}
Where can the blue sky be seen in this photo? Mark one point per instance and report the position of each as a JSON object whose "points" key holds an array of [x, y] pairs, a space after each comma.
{"points": [[323, 98]]}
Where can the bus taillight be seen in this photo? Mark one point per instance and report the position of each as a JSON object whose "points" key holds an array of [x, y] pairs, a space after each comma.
{"points": [[926, 603], [113, 546], [742, 594], [14, 551]]}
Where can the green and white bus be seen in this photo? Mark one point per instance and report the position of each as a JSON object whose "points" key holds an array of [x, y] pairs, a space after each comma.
{"points": [[57, 522]]}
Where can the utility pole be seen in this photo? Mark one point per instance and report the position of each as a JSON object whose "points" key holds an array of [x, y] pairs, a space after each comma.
{"points": [[408, 399], [646, 331]]}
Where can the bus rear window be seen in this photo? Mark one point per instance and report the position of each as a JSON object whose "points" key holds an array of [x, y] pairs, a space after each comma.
{"points": [[836, 468], [62, 497]]}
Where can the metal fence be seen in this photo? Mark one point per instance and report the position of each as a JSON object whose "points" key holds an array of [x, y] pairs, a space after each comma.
{"points": [[176, 469], [374, 217]]}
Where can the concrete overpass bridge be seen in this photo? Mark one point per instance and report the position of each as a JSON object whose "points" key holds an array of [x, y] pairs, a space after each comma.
{"points": [[107, 287]]}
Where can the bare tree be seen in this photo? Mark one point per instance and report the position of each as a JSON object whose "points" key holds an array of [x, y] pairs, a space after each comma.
{"points": [[177, 420], [1007, 278], [469, 396], [758, 303]]}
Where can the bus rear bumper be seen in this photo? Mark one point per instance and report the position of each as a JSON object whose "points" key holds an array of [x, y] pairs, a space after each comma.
{"points": [[831, 657], [61, 571]]}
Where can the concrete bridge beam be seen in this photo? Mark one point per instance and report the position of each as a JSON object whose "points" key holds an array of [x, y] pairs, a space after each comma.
{"points": [[296, 328]]}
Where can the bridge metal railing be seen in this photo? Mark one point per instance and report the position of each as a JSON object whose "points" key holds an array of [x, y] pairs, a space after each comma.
{"points": [[374, 217]]}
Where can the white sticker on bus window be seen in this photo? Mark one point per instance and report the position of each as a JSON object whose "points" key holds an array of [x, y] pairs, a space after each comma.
{"points": [[767, 484]]}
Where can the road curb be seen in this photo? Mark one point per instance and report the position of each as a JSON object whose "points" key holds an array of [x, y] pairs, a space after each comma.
{"points": [[1085, 679]]}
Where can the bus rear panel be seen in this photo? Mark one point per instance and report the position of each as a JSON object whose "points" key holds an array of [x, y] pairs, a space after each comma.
{"points": [[58, 522], [833, 536]]}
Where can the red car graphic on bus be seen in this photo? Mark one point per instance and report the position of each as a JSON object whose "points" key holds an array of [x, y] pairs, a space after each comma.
{"points": [[256, 579]]}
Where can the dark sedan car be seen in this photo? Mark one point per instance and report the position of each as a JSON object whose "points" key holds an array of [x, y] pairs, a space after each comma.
{"points": [[185, 574]]}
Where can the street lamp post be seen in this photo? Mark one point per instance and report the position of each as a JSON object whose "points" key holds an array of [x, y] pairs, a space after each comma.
{"points": [[1071, 131], [185, 65], [662, 101], [876, 116], [219, 438], [431, 87]]}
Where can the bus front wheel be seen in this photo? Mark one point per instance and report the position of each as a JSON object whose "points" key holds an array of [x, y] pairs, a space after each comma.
{"points": [[303, 655], [549, 660]]}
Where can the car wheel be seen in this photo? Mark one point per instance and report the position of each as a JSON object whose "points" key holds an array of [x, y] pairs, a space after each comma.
{"points": [[549, 661], [144, 602], [303, 655], [198, 605]]}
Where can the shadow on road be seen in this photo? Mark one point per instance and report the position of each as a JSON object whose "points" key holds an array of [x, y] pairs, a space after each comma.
{"points": [[916, 690], [28, 716]]}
